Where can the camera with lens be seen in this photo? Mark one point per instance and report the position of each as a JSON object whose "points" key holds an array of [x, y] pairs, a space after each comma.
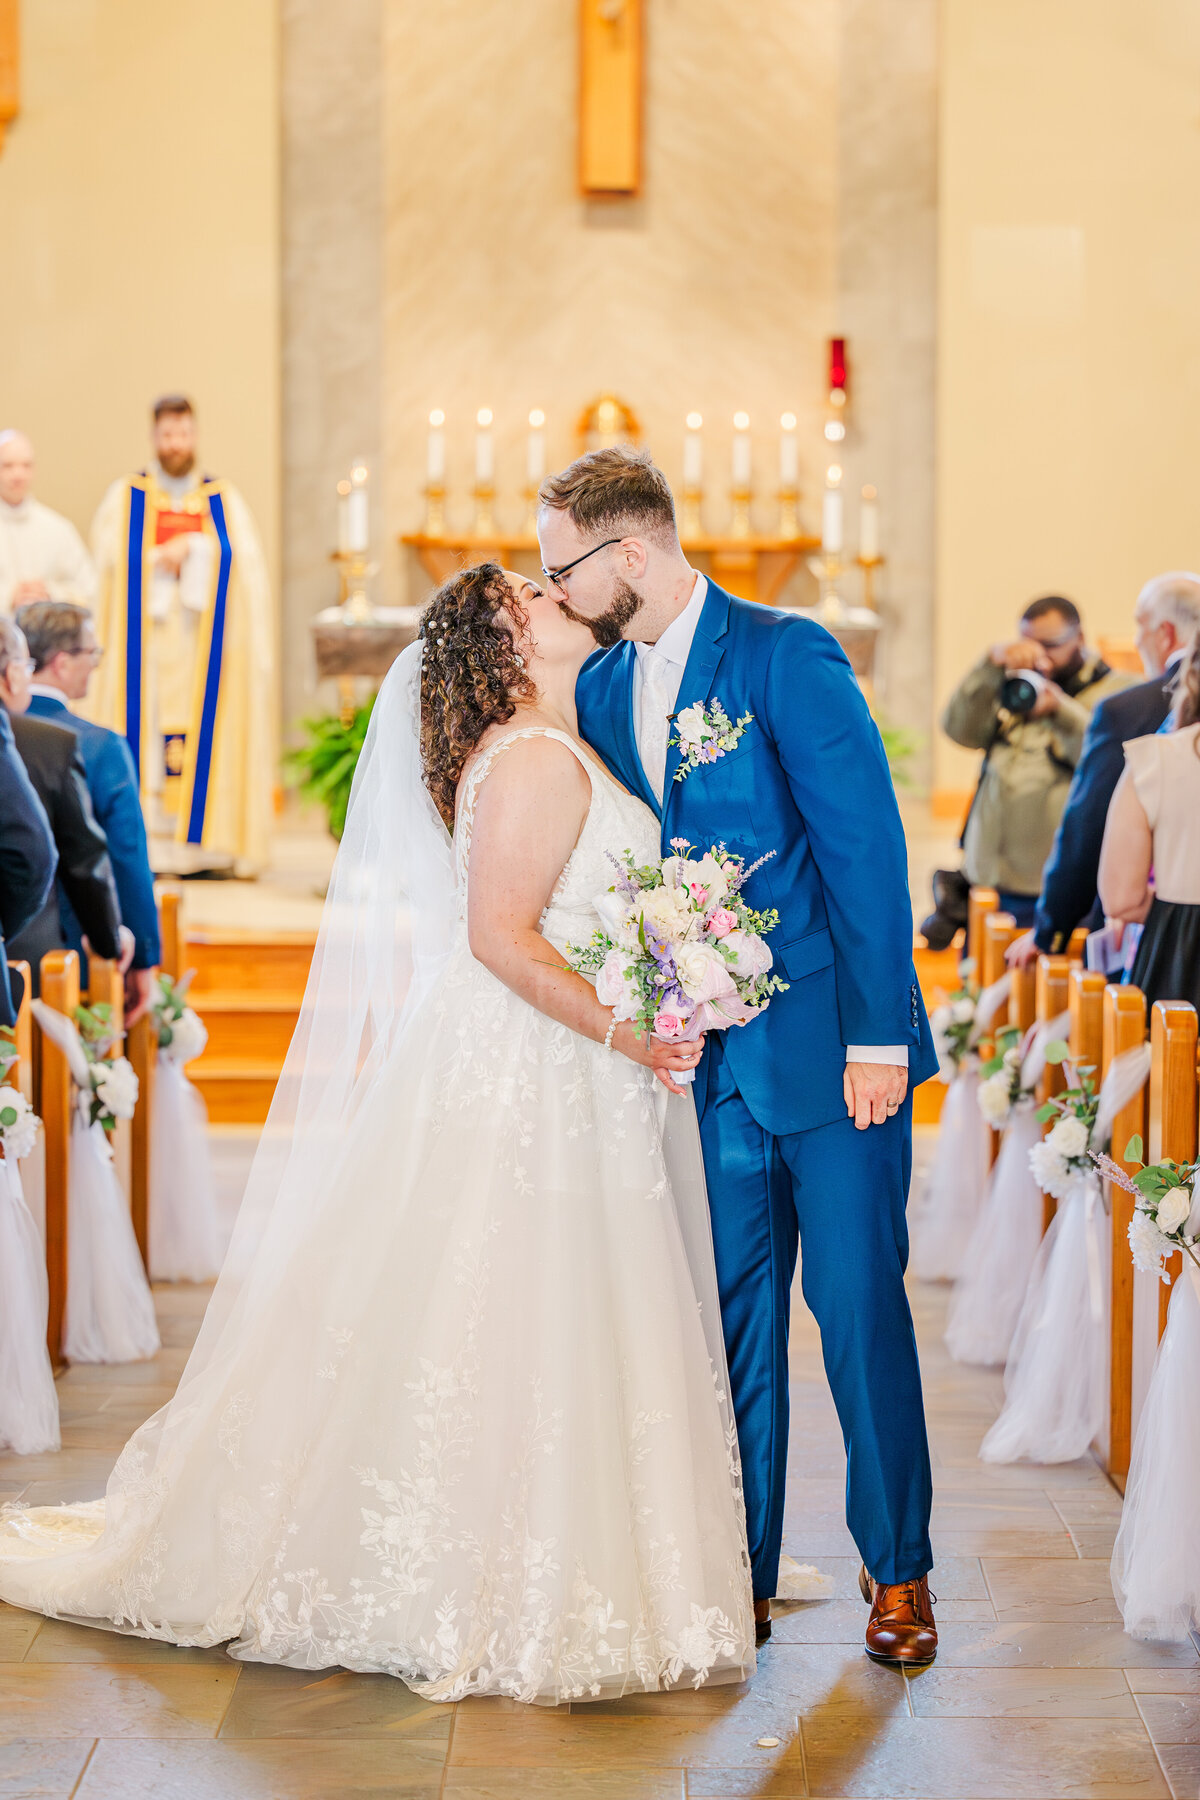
{"points": [[1021, 690]]}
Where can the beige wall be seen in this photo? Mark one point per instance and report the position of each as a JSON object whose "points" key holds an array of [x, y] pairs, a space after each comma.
{"points": [[139, 232], [1069, 355]]}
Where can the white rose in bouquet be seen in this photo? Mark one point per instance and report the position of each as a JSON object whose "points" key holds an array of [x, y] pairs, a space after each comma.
{"points": [[751, 955], [1148, 1244], [703, 974], [18, 1133], [116, 1087], [188, 1037], [995, 1098], [1069, 1138], [667, 909], [1173, 1209]]}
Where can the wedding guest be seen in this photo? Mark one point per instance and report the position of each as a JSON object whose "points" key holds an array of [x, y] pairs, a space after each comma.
{"points": [[1150, 862], [27, 857], [42, 556], [56, 771], [1026, 705], [62, 643], [1166, 618]]}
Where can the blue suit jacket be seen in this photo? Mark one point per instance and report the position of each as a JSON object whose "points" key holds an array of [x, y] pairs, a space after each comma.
{"points": [[113, 786], [28, 858], [1068, 896], [809, 781]]}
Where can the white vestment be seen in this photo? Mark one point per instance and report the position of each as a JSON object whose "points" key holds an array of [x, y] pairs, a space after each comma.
{"points": [[37, 544]]}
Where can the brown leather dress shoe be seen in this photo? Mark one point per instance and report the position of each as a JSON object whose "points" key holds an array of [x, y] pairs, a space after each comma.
{"points": [[762, 1621], [901, 1630]]}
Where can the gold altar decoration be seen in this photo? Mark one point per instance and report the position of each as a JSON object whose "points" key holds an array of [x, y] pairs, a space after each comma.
{"points": [[605, 422], [610, 98]]}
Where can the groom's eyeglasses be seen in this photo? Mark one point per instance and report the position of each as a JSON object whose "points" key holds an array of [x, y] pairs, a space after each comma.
{"points": [[557, 577]]}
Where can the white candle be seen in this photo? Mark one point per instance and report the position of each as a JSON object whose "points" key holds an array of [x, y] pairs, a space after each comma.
{"points": [[789, 452], [741, 451], [535, 449], [693, 452], [435, 449], [831, 512], [868, 526], [343, 517], [485, 461], [357, 516]]}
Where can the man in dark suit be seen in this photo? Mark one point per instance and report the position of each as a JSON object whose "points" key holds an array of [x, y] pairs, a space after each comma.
{"points": [[84, 874], [62, 643], [27, 857], [1167, 616]]}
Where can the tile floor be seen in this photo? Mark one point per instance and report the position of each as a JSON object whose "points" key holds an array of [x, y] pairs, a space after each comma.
{"points": [[1037, 1691]]}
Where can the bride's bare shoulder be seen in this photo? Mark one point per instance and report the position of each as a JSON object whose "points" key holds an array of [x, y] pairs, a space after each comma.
{"points": [[530, 775]]}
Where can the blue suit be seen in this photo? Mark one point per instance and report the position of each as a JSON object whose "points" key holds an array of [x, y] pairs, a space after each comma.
{"points": [[113, 787], [28, 859], [808, 781]]}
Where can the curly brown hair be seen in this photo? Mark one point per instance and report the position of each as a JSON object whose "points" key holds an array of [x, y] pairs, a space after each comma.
{"points": [[471, 674]]}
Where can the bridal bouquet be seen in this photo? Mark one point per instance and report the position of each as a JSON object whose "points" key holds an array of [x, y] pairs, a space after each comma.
{"points": [[1001, 1090], [18, 1121], [113, 1089], [679, 951], [1062, 1155], [182, 1034], [1166, 1215]]}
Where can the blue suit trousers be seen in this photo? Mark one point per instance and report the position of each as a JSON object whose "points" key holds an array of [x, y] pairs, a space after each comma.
{"points": [[840, 1194]]}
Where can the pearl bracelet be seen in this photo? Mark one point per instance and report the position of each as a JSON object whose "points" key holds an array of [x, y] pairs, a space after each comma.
{"points": [[611, 1033]]}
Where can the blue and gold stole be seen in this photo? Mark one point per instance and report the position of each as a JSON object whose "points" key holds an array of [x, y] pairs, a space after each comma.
{"points": [[195, 765]]}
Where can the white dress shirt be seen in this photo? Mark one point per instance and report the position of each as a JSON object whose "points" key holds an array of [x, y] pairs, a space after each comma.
{"points": [[657, 678]]}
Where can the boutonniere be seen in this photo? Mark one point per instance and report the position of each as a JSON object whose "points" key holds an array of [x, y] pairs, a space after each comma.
{"points": [[703, 735]]}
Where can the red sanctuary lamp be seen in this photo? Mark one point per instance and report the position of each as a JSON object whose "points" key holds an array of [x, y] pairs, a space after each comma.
{"points": [[837, 371]]}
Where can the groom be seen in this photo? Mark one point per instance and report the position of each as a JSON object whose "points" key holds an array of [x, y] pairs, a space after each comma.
{"points": [[806, 1115]]}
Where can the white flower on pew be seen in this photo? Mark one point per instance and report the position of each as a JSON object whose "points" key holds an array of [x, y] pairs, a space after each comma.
{"points": [[1148, 1244], [995, 1098], [1173, 1211], [18, 1124], [1051, 1173], [182, 1034], [1166, 1214], [116, 1087], [188, 1037], [1069, 1138]]}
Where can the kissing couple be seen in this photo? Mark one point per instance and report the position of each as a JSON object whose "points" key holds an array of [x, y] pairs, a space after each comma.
{"points": [[491, 1394]]}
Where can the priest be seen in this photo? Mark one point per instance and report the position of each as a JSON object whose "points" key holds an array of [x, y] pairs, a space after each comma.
{"points": [[185, 618]]}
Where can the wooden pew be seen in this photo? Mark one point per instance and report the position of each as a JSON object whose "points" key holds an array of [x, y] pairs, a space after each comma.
{"points": [[1085, 1000], [1124, 1028], [170, 907], [980, 903], [1051, 993], [60, 989], [999, 930], [1173, 1094]]}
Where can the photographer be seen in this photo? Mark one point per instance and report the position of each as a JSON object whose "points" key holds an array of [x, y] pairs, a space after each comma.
{"points": [[1026, 705]]}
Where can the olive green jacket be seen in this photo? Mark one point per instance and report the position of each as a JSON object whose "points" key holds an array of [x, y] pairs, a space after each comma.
{"points": [[1026, 773]]}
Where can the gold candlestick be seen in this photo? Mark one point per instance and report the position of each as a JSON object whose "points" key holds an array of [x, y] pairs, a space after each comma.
{"points": [[827, 567], [690, 516], [435, 510], [740, 525], [868, 565], [485, 493], [789, 521]]}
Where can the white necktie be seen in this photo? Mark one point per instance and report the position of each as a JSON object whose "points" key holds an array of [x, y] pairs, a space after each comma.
{"points": [[656, 704]]}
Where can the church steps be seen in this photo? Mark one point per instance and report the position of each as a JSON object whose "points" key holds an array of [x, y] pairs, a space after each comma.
{"points": [[248, 989]]}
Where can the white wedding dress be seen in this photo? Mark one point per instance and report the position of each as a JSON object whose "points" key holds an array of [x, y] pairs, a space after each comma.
{"points": [[459, 1409]]}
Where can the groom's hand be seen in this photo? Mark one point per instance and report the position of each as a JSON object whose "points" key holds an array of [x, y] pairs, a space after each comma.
{"points": [[874, 1092]]}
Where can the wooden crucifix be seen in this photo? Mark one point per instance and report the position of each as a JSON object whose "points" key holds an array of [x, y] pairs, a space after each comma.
{"points": [[610, 97], [9, 64]]}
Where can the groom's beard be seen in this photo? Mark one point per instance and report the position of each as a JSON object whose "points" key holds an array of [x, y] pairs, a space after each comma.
{"points": [[608, 628]]}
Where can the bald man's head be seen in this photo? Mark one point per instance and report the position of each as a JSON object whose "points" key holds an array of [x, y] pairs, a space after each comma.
{"points": [[16, 466]]}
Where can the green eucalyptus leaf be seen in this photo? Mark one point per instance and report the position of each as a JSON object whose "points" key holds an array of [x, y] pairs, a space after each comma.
{"points": [[1057, 1052], [1133, 1149]]}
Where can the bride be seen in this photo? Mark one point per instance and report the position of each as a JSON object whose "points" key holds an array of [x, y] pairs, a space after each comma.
{"points": [[458, 1409]]}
